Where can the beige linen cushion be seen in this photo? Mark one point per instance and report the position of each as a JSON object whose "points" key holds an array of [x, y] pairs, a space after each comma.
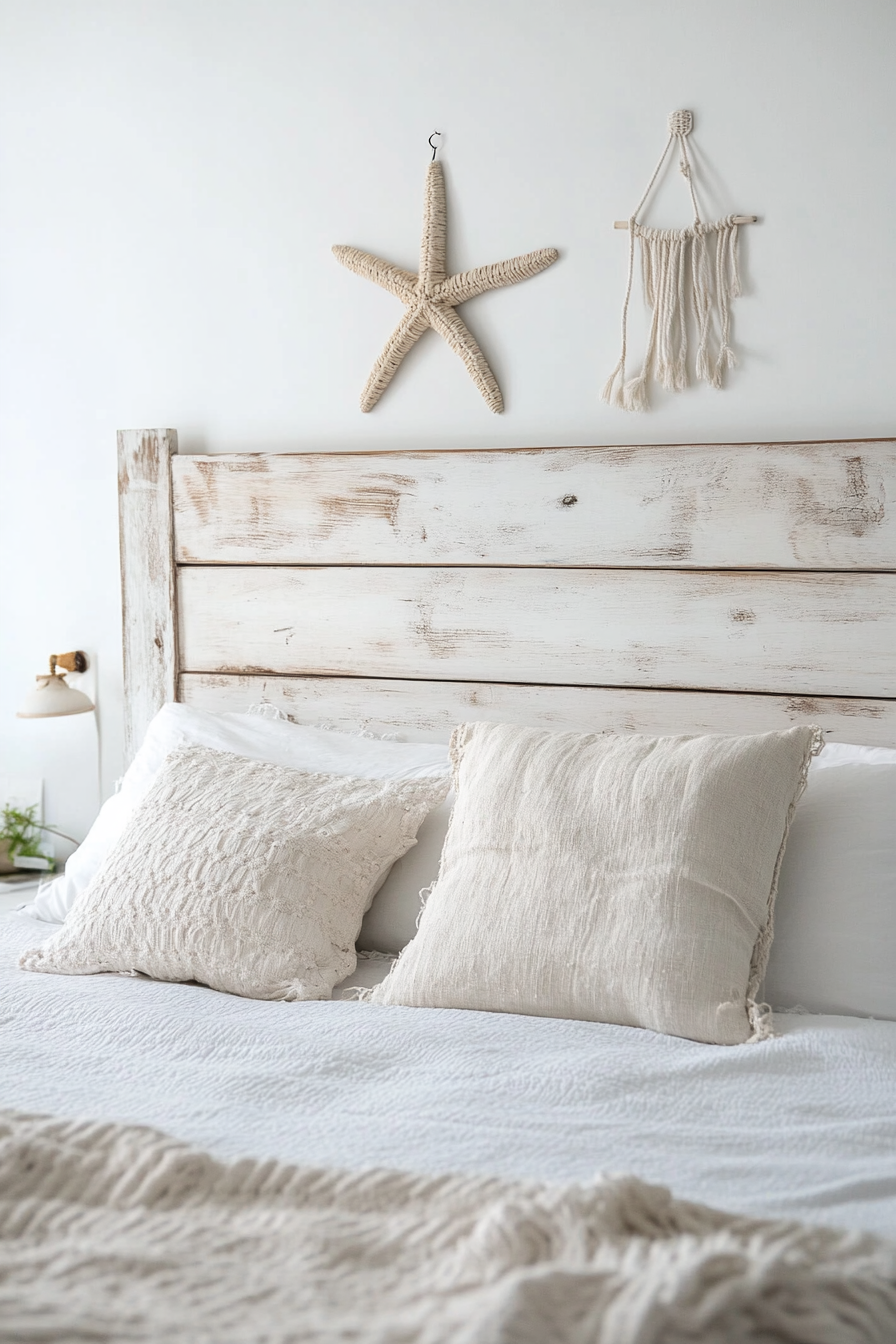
{"points": [[246, 876], [619, 879]]}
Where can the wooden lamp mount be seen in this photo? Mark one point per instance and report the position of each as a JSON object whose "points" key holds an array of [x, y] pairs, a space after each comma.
{"points": [[70, 662]]}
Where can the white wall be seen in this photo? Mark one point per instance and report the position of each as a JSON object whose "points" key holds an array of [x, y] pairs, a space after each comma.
{"points": [[174, 174]]}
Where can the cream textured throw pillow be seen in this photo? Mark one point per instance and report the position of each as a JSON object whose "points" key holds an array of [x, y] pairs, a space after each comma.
{"points": [[246, 876], [619, 879]]}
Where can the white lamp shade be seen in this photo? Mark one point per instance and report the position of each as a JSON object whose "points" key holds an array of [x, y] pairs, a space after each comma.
{"points": [[52, 697]]}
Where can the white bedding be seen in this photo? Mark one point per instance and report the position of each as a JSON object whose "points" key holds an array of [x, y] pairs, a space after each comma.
{"points": [[803, 1125]]}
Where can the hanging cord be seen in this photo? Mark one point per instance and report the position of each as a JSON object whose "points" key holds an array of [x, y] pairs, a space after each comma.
{"points": [[680, 125]]}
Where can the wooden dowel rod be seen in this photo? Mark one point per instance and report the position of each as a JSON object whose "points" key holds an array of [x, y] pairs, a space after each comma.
{"points": [[738, 219]]}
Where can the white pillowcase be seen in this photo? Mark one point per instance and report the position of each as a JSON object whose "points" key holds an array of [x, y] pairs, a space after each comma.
{"points": [[844, 753], [246, 876], [834, 949], [249, 735]]}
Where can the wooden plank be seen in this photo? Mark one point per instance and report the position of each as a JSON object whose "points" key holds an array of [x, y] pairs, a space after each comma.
{"points": [[147, 577], [816, 634], [426, 711], [717, 506]]}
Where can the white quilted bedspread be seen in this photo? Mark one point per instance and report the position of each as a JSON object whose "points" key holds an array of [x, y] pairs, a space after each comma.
{"points": [[800, 1126]]}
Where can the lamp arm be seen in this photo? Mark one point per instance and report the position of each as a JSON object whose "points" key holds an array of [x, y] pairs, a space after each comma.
{"points": [[42, 826]]}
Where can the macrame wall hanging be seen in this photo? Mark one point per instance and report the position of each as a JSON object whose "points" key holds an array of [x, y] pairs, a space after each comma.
{"points": [[431, 297], [688, 274]]}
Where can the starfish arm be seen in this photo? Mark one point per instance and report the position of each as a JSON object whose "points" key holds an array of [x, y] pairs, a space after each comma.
{"points": [[407, 333], [398, 282], [458, 288], [435, 224], [449, 324]]}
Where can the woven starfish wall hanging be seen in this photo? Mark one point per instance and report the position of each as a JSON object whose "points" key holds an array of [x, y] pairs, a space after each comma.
{"points": [[432, 296], [688, 273]]}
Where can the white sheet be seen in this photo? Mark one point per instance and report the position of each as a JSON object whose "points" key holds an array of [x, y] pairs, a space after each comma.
{"points": [[802, 1126]]}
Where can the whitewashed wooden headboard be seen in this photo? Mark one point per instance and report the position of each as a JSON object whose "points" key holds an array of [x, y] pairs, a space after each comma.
{"points": [[686, 588]]}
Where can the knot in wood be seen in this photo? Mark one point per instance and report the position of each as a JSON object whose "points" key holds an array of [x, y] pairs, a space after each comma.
{"points": [[568, 500]]}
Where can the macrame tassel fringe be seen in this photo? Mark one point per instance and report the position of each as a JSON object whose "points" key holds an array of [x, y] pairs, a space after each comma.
{"points": [[682, 284], [634, 394], [685, 279], [701, 275], [727, 287], [630, 395], [612, 389]]}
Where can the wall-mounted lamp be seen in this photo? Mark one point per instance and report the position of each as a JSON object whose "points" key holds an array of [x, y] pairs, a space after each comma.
{"points": [[52, 696]]}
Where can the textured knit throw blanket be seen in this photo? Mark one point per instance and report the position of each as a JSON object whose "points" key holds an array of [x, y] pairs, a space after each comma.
{"points": [[120, 1233]]}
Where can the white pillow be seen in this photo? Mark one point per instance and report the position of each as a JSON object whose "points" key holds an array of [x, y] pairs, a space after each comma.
{"points": [[246, 876], [391, 922], [625, 879], [844, 753], [835, 919], [249, 735]]}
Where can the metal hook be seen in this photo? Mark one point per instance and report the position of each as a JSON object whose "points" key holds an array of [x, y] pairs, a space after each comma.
{"points": [[432, 146]]}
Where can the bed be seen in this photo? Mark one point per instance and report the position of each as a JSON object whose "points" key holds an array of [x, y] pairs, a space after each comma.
{"points": [[663, 589]]}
